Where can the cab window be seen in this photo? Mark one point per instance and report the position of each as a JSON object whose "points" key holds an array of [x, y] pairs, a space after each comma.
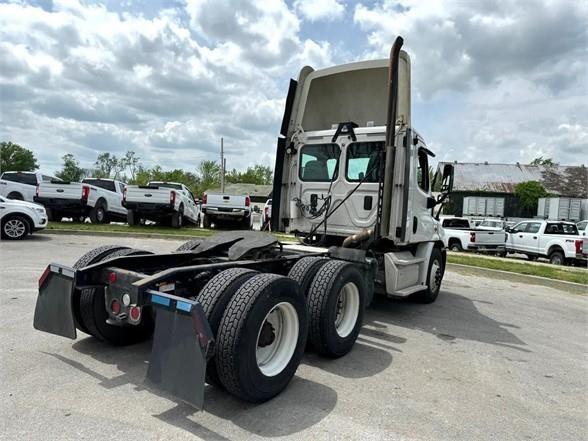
{"points": [[423, 170], [319, 162], [362, 160], [561, 229], [22, 178], [533, 227], [520, 228]]}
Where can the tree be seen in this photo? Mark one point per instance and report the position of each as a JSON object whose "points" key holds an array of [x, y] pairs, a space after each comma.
{"points": [[542, 161], [71, 169], [209, 172], [109, 166], [14, 157], [258, 174], [529, 193], [131, 162]]}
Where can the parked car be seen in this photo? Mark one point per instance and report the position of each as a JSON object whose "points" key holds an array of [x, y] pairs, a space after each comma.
{"points": [[168, 203], [20, 218], [98, 199], [266, 215], [219, 208], [558, 241], [459, 236], [582, 227], [22, 185]]}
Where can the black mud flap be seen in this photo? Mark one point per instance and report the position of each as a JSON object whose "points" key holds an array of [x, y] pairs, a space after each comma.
{"points": [[180, 342], [54, 311]]}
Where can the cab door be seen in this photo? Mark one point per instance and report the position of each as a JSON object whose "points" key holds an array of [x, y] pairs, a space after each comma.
{"points": [[516, 237], [531, 237]]}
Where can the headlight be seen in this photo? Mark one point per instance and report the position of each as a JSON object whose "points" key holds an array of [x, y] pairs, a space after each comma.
{"points": [[40, 210]]}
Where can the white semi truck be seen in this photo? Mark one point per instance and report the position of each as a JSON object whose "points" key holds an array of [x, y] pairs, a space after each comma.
{"points": [[236, 309]]}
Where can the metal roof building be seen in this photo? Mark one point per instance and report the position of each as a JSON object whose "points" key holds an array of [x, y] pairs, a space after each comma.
{"points": [[502, 178]]}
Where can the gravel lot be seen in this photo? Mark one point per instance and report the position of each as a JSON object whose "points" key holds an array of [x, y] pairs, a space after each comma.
{"points": [[491, 359]]}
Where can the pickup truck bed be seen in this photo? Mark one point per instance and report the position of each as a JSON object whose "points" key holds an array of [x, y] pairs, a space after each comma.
{"points": [[459, 237]]}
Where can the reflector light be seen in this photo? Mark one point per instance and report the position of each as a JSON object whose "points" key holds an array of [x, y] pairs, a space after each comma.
{"points": [[135, 313], [247, 201], [44, 276], [85, 192], [115, 307], [112, 278], [579, 246], [472, 237], [172, 197]]}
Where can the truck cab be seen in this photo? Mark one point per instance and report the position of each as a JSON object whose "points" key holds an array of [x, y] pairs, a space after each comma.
{"points": [[351, 170]]}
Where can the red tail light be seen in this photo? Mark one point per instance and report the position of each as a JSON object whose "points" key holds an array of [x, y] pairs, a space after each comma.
{"points": [[579, 246], [85, 192], [37, 191], [115, 307], [44, 276], [172, 197], [247, 201], [112, 278], [472, 237], [204, 198]]}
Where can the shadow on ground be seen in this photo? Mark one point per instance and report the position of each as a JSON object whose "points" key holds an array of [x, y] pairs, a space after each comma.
{"points": [[451, 317], [303, 403]]}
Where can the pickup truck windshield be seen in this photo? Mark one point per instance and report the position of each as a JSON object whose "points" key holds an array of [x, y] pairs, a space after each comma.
{"points": [[23, 178], [165, 185], [553, 228]]}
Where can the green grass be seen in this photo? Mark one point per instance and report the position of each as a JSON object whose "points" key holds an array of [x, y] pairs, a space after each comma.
{"points": [[144, 229], [552, 272]]}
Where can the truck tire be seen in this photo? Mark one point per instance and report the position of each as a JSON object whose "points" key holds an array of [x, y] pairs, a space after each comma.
{"points": [[435, 274], [98, 214], [261, 338], [304, 271], [214, 298], [14, 227], [245, 223], [93, 314], [557, 258], [132, 218], [177, 219], [190, 245], [205, 221], [455, 245], [336, 303]]}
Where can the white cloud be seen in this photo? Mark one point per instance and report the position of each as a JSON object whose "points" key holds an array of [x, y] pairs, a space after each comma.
{"points": [[320, 10]]}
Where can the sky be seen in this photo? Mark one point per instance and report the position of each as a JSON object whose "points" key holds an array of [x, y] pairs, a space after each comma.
{"points": [[499, 81]]}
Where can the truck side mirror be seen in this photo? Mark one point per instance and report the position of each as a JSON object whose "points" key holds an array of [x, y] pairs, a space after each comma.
{"points": [[431, 202], [447, 182]]}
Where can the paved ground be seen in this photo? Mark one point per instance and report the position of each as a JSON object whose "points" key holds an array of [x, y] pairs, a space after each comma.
{"points": [[491, 359]]}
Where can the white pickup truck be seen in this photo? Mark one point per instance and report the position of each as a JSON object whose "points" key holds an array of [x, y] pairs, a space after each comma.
{"points": [[560, 242], [221, 208], [163, 202], [22, 185], [99, 199], [459, 236]]}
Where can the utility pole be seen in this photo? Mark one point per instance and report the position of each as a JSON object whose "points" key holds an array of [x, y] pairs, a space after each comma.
{"points": [[222, 164]]}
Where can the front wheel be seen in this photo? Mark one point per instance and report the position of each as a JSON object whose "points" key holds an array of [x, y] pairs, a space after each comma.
{"points": [[14, 227], [261, 338], [435, 274]]}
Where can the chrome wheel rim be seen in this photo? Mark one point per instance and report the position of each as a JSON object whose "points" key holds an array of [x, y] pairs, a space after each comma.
{"points": [[276, 339], [347, 309], [15, 228], [435, 276]]}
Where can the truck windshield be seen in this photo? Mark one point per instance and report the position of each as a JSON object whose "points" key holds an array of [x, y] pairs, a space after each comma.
{"points": [[553, 228], [319, 162]]}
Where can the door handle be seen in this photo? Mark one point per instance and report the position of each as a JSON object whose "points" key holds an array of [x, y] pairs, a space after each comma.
{"points": [[534, 237], [521, 236]]}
